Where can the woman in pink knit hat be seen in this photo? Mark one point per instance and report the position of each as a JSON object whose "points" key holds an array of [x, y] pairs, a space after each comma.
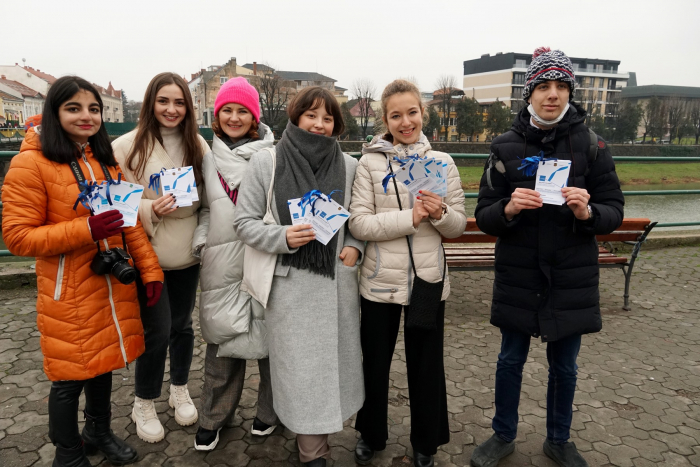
{"points": [[232, 322]]}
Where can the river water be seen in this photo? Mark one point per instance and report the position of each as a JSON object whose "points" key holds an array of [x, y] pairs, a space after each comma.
{"points": [[658, 208]]}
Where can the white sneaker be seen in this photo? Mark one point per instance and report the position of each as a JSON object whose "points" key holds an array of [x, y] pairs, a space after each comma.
{"points": [[144, 415], [185, 411]]}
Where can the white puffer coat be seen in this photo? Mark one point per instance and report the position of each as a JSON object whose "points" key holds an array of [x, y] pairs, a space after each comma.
{"points": [[228, 316], [386, 274]]}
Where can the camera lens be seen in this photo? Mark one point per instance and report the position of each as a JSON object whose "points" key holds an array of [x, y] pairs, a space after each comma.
{"points": [[124, 272]]}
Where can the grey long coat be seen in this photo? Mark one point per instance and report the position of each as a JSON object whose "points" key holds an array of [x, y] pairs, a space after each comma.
{"points": [[228, 316], [313, 322]]}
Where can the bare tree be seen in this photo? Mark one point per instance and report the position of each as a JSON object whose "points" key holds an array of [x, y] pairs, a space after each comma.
{"points": [[694, 118], [274, 94], [445, 85], [364, 91], [677, 108], [654, 118]]}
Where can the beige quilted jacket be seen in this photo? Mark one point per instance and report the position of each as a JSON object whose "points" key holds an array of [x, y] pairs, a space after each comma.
{"points": [[386, 274]]}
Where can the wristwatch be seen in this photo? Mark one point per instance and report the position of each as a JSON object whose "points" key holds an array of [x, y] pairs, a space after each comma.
{"points": [[590, 212]]}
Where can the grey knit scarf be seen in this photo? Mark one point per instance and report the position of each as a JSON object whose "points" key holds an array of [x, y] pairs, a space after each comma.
{"points": [[305, 162]]}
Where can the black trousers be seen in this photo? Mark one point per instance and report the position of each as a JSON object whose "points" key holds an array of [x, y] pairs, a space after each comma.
{"points": [[379, 329], [63, 407], [167, 326]]}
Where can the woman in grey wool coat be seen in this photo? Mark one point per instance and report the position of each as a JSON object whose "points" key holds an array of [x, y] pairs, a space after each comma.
{"points": [[312, 313]]}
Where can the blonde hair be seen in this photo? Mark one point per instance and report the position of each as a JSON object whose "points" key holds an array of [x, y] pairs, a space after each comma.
{"points": [[400, 86]]}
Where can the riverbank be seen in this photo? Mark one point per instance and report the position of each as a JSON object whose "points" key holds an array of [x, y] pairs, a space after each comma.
{"points": [[630, 174]]}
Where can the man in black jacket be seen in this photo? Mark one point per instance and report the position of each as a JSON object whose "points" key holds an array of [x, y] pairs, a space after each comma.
{"points": [[546, 279]]}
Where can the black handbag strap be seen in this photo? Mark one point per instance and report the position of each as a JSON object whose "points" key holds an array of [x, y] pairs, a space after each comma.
{"points": [[408, 241]]}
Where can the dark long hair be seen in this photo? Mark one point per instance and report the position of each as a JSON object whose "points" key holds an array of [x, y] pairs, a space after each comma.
{"points": [[55, 143], [148, 130]]}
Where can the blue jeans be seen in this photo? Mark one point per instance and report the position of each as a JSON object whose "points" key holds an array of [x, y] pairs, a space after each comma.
{"points": [[561, 387]]}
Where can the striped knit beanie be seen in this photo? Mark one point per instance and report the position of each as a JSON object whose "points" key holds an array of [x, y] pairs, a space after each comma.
{"points": [[549, 65]]}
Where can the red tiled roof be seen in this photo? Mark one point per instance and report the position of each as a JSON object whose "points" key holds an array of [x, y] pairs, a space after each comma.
{"points": [[45, 76], [355, 110], [9, 97], [110, 91], [24, 90]]}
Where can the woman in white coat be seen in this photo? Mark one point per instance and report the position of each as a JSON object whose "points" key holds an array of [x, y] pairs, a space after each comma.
{"points": [[166, 137], [387, 276], [232, 322]]}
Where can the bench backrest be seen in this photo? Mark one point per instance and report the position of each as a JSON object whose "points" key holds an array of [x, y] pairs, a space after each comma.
{"points": [[630, 231]]}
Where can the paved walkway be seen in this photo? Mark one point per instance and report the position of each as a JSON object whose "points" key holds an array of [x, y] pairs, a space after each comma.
{"points": [[638, 399]]}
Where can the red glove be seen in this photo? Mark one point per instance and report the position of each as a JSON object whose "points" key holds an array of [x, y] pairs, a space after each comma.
{"points": [[153, 290], [106, 224]]}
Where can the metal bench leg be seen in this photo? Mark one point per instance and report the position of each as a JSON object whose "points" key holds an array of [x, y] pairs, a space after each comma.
{"points": [[630, 266], [628, 275]]}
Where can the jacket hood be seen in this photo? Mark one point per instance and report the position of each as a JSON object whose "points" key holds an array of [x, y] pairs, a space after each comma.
{"points": [[381, 145], [31, 140], [231, 164], [575, 116]]}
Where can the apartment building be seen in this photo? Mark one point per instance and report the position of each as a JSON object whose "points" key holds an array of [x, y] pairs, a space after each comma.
{"points": [[599, 81]]}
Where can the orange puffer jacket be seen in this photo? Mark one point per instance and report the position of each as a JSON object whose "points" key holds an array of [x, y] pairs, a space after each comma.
{"points": [[89, 324]]}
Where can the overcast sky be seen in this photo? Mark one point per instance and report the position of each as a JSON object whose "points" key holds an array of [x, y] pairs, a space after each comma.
{"points": [[127, 42]]}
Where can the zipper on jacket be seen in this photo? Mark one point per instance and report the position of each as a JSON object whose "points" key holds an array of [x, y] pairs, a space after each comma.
{"points": [[384, 290], [59, 277], [109, 282], [116, 321], [82, 153]]}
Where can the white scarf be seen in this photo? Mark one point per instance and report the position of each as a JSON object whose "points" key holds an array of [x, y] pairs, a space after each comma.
{"points": [[543, 122]]}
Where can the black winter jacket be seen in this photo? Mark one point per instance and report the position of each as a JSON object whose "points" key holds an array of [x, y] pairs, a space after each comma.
{"points": [[546, 280]]}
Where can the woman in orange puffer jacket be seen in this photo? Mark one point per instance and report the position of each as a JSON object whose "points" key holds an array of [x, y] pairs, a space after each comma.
{"points": [[90, 324]]}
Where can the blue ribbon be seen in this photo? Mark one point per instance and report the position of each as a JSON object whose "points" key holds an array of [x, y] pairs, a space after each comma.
{"points": [[529, 164], [86, 188], [310, 198], [154, 181]]}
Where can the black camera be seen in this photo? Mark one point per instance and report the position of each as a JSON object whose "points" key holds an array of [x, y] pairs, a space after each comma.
{"points": [[116, 262]]}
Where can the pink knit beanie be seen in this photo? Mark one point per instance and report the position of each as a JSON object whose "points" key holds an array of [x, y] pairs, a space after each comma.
{"points": [[238, 91]]}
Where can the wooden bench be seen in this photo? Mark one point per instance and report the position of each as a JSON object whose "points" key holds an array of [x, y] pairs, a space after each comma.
{"points": [[481, 258]]}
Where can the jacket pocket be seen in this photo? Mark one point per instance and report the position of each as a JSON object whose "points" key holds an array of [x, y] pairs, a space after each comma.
{"points": [[59, 277], [377, 262]]}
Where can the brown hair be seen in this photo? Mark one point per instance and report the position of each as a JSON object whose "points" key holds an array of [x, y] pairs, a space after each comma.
{"points": [[148, 129], [400, 86], [252, 133], [312, 98]]}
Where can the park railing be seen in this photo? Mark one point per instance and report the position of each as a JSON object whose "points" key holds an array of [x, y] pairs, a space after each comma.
{"points": [[468, 195]]}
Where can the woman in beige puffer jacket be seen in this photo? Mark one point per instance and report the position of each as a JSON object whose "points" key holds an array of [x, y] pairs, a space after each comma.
{"points": [[387, 275]]}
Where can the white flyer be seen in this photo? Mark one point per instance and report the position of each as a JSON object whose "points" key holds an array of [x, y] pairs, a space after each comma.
{"points": [[125, 197], [551, 177], [181, 183], [327, 218], [414, 176], [296, 211], [438, 170]]}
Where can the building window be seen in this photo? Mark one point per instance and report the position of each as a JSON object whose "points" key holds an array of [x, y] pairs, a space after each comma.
{"points": [[591, 82], [518, 78], [517, 93], [520, 63], [222, 79], [600, 95], [599, 68]]}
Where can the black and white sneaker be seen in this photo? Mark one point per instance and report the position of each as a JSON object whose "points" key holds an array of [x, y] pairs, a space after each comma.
{"points": [[206, 440], [261, 429]]}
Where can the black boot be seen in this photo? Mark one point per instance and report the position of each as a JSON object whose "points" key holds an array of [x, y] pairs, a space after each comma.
{"points": [[421, 460], [320, 462], [98, 435], [74, 457], [363, 453]]}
